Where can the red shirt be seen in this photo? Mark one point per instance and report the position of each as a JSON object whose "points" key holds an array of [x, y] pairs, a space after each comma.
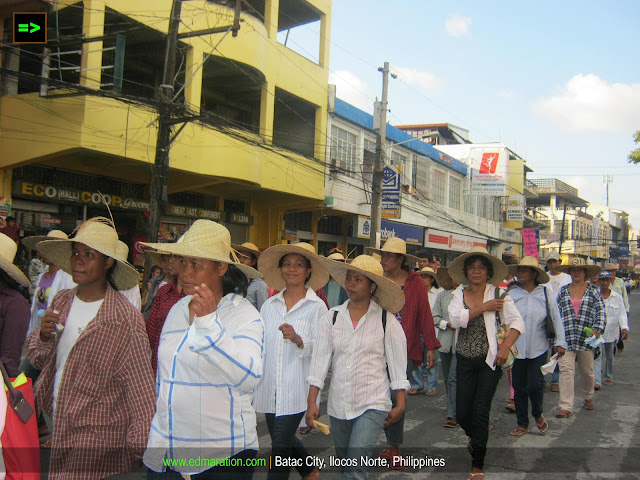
{"points": [[167, 296]]}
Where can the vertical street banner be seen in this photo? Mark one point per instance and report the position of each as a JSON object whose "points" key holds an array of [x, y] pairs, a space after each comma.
{"points": [[530, 241], [489, 168], [391, 193]]}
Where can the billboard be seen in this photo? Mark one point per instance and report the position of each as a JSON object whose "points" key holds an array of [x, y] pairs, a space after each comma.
{"points": [[489, 170]]}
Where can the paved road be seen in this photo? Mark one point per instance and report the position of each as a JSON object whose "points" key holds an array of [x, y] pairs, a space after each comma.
{"points": [[599, 444]]}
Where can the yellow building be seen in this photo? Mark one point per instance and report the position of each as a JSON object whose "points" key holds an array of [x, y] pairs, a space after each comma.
{"points": [[251, 150]]}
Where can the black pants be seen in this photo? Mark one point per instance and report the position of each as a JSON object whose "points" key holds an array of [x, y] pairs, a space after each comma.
{"points": [[476, 384], [285, 444], [528, 384]]}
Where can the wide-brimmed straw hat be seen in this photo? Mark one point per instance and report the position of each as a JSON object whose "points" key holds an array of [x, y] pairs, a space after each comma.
{"points": [[388, 294], [395, 245], [97, 233], [31, 242], [592, 270], [530, 262], [443, 278], [247, 247], [611, 266], [456, 268], [209, 240], [428, 271], [338, 257], [269, 259], [8, 249]]}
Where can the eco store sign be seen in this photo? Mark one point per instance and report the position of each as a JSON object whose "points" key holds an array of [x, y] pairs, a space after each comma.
{"points": [[49, 192]]}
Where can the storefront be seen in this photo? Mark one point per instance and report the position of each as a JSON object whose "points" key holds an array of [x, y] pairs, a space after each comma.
{"points": [[413, 235], [448, 245]]}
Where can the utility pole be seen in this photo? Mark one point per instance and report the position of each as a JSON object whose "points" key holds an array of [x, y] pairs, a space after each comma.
{"points": [[378, 172], [158, 202]]}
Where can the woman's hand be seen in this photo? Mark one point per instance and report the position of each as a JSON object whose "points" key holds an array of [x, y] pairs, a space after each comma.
{"points": [[312, 414], [48, 325], [288, 333], [494, 305], [203, 301], [560, 351], [502, 356], [394, 415], [624, 334]]}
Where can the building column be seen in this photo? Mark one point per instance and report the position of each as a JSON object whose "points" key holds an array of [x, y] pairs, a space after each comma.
{"points": [[6, 177], [92, 26], [193, 89], [271, 9], [267, 111], [315, 218]]}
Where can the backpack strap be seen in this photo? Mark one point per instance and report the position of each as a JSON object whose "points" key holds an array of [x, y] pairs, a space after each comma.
{"points": [[384, 322], [335, 316]]}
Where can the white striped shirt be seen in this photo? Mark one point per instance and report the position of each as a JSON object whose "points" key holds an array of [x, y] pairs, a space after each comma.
{"points": [[283, 389], [360, 357], [207, 372]]}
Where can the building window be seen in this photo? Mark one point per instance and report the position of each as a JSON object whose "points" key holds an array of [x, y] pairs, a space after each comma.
{"points": [[455, 187], [343, 151], [370, 145], [439, 187], [402, 161]]}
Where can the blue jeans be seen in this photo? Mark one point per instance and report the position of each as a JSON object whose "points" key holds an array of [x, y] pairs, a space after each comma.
{"points": [[416, 377], [432, 375], [357, 438], [284, 443], [607, 353], [215, 473], [448, 362], [528, 384]]}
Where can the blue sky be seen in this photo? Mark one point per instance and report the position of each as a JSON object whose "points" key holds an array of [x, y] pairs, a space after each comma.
{"points": [[558, 82]]}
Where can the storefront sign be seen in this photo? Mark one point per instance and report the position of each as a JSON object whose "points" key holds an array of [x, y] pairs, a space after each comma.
{"points": [[290, 235], [451, 241], [138, 250], [515, 208], [61, 194], [241, 218], [489, 169], [530, 241], [411, 234], [193, 212], [391, 193], [50, 220]]}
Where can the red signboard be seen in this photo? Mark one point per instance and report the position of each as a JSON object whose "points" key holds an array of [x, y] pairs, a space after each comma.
{"points": [[138, 250]]}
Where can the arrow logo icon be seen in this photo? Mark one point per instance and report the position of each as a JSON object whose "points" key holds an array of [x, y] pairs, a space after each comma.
{"points": [[24, 27]]}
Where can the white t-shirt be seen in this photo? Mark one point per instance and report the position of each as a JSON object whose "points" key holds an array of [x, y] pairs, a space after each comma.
{"points": [[556, 282], [80, 314]]}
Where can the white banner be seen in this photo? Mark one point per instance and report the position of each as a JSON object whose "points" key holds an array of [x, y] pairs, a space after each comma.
{"points": [[490, 170], [515, 208], [452, 241]]}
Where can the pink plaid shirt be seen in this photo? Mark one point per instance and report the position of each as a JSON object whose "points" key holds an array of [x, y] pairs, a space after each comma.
{"points": [[106, 398]]}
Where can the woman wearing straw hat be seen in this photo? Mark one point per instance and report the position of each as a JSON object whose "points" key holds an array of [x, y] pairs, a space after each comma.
{"points": [[416, 320], [535, 302], [447, 337], [360, 340], [474, 311], [96, 380], [580, 306], [168, 275], [14, 308], [258, 292], [291, 319], [209, 362], [428, 275]]}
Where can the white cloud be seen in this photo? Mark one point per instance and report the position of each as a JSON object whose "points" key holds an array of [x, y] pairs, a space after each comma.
{"points": [[458, 26], [425, 80], [507, 94], [352, 90], [589, 104]]}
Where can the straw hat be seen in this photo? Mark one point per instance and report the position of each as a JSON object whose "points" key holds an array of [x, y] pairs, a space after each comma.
{"points": [[428, 271], [31, 242], [97, 233], [8, 249], [592, 270], [443, 278], [611, 266], [456, 268], [395, 245], [530, 262], [268, 265], [338, 257], [388, 294], [247, 247], [156, 256], [206, 239]]}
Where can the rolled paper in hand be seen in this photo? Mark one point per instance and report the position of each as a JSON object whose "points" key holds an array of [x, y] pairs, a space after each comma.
{"points": [[322, 427]]}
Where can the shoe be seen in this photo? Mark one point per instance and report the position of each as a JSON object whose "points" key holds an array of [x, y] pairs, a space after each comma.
{"points": [[555, 387], [517, 432], [608, 382], [431, 394], [596, 386], [386, 454], [450, 422], [588, 405], [511, 406], [564, 414], [542, 427]]}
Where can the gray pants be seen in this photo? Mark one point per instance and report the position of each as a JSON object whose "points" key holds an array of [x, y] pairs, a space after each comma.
{"points": [[448, 362]]}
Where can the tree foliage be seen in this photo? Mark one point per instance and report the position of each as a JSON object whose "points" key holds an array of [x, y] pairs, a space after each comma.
{"points": [[634, 156]]}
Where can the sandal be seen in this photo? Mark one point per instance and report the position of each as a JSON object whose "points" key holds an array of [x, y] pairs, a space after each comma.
{"points": [[542, 428], [596, 386], [588, 405], [555, 387], [564, 414], [517, 432], [608, 382], [412, 391], [388, 456], [304, 430], [476, 476], [511, 406], [431, 394], [450, 422]]}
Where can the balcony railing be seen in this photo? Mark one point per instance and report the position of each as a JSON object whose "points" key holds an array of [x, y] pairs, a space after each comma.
{"points": [[554, 183]]}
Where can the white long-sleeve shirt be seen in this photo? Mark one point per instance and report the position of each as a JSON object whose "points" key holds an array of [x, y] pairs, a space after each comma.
{"points": [[459, 317], [360, 358], [283, 389], [616, 317], [207, 372]]}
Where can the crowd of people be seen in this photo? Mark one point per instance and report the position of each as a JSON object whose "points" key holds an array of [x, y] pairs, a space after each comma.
{"points": [[226, 331]]}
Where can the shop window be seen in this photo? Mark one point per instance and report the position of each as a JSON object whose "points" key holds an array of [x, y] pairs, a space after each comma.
{"points": [[294, 123], [298, 221], [399, 160], [330, 225], [343, 151]]}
